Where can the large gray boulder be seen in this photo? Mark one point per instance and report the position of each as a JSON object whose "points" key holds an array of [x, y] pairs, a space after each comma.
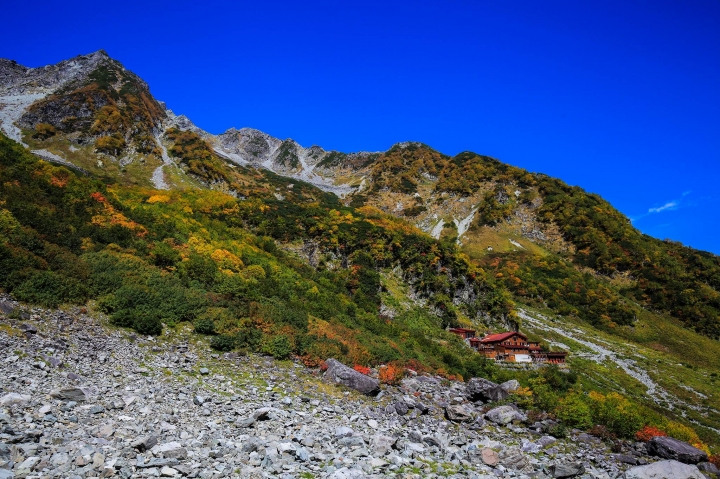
{"points": [[458, 413], [664, 470], [338, 373], [503, 415], [485, 390], [71, 394], [670, 448]]}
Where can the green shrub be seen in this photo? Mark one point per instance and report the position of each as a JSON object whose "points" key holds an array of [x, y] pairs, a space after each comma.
{"points": [[619, 415], [557, 430], [51, 289], [574, 411], [248, 338], [142, 319], [278, 346], [148, 324], [222, 342], [205, 326]]}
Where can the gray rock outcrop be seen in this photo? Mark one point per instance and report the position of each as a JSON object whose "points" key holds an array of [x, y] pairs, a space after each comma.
{"points": [[670, 448], [338, 373], [485, 390]]}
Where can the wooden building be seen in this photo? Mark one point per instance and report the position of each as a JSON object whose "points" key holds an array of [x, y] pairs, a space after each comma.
{"points": [[513, 346], [464, 333]]}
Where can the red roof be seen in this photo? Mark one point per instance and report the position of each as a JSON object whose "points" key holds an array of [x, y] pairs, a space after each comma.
{"points": [[499, 337], [461, 330]]}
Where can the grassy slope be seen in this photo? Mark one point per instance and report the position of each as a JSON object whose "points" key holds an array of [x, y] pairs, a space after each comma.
{"points": [[682, 365]]}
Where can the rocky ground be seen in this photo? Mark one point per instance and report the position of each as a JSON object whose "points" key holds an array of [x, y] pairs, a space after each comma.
{"points": [[79, 399]]}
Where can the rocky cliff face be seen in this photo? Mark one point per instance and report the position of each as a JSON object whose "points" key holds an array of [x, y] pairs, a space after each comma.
{"points": [[90, 99], [93, 100]]}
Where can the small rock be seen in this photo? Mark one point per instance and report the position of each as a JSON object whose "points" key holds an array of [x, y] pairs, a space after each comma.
{"points": [[381, 444], [546, 441], [511, 385], [204, 371], [485, 390], [562, 471], [626, 459], [489, 457], [168, 472], [145, 443], [708, 467], [343, 431]]}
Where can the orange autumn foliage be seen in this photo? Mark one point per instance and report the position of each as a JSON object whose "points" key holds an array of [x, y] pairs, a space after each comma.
{"points": [[391, 374], [649, 432]]}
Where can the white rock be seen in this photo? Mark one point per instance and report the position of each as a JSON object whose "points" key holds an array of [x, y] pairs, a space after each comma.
{"points": [[168, 472], [14, 399]]}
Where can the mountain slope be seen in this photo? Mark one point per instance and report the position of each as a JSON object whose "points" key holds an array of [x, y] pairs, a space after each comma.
{"points": [[551, 244], [241, 234]]}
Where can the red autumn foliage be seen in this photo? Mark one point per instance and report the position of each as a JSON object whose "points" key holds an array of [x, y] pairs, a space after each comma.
{"points": [[98, 197], [362, 369], [649, 432], [715, 460]]}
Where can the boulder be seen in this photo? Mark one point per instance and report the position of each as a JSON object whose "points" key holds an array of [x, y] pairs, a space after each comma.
{"points": [[708, 467], [401, 408], [561, 471], [70, 394], [511, 385], [670, 448], [489, 457], [338, 373], [343, 431], [145, 443], [458, 413], [503, 415], [664, 470], [6, 307], [14, 399], [485, 390], [381, 444], [516, 460]]}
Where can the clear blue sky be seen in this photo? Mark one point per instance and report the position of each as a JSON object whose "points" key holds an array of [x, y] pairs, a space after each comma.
{"points": [[619, 97]]}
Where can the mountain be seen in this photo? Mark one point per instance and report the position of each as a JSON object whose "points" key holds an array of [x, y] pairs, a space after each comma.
{"points": [[111, 200]]}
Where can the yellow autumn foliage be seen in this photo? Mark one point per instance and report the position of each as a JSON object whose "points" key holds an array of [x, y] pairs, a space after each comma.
{"points": [[158, 199]]}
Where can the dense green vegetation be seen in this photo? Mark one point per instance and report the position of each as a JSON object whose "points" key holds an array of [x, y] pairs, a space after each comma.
{"points": [[151, 259]]}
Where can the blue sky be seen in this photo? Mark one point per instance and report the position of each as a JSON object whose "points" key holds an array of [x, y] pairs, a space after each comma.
{"points": [[621, 98]]}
